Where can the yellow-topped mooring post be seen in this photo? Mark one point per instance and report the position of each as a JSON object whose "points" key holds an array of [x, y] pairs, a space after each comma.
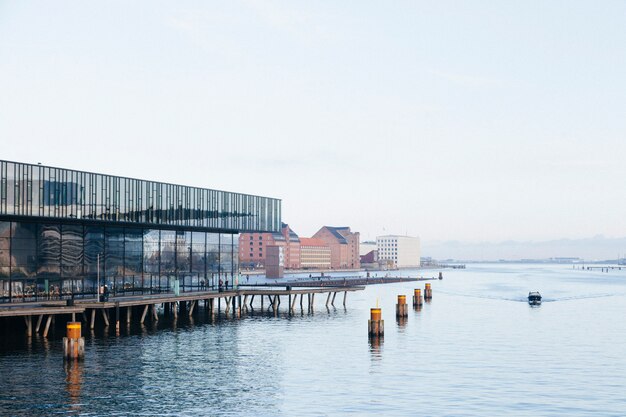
{"points": [[375, 325], [428, 292], [417, 297], [73, 344], [401, 310]]}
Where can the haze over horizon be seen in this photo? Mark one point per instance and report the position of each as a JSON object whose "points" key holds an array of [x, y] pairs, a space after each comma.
{"points": [[453, 121]]}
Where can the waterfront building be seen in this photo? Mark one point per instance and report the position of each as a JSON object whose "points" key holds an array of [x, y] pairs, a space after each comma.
{"points": [[314, 254], [253, 247], [61, 229], [344, 246], [400, 251]]}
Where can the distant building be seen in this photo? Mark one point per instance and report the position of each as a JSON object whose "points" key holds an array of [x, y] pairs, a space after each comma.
{"points": [[370, 257], [344, 246], [366, 247], [253, 248], [314, 254], [402, 251], [292, 248]]}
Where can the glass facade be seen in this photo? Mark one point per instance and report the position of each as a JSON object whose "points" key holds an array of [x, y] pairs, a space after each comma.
{"points": [[62, 230], [41, 191]]}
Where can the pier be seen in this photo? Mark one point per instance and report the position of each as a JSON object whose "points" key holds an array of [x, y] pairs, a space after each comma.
{"points": [[344, 281], [38, 317]]}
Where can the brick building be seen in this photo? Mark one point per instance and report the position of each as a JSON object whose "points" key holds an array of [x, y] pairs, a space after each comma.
{"points": [[314, 253], [343, 244], [252, 247]]}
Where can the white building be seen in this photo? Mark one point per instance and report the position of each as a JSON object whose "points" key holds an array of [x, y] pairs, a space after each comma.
{"points": [[403, 251]]}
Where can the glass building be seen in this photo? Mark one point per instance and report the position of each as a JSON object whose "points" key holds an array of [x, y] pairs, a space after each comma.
{"points": [[61, 230]]}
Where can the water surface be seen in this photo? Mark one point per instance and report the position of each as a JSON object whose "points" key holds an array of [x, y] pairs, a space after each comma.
{"points": [[476, 349]]}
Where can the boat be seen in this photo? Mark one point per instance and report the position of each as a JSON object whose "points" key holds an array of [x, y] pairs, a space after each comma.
{"points": [[534, 298]]}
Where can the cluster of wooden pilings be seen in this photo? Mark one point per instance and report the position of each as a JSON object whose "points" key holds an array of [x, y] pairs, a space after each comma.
{"points": [[73, 342], [375, 325]]}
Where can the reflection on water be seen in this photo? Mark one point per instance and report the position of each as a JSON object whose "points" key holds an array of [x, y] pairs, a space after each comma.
{"points": [[472, 345], [73, 383]]}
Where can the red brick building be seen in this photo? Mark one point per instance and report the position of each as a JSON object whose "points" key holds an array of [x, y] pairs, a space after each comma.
{"points": [[344, 246], [252, 248]]}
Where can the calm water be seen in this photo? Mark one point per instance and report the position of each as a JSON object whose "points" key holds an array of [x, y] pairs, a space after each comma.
{"points": [[477, 349]]}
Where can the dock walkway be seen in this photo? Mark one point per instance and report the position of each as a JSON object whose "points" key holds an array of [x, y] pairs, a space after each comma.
{"points": [[148, 306]]}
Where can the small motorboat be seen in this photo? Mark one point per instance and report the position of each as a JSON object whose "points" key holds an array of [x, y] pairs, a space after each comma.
{"points": [[534, 298]]}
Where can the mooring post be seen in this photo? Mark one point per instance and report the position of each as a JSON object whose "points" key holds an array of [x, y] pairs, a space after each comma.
{"points": [[375, 325], [428, 292], [417, 298], [129, 312], [93, 319], [73, 343], [345, 294], [401, 310]]}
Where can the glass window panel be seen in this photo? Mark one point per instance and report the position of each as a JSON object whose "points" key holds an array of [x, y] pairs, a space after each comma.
{"points": [[72, 250], [151, 251], [93, 245], [49, 249], [114, 252]]}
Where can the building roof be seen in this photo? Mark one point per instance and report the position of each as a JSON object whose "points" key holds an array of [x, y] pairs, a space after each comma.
{"points": [[336, 232], [278, 237], [293, 236], [308, 241]]}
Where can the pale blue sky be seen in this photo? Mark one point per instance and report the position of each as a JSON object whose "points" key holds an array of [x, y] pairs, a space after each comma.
{"points": [[467, 120]]}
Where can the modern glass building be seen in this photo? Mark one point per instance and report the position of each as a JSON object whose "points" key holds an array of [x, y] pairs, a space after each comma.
{"points": [[61, 230]]}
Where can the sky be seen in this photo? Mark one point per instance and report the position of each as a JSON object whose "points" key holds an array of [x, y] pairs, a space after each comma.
{"points": [[470, 121]]}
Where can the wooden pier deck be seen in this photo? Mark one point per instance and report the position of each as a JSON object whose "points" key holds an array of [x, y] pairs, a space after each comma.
{"points": [[148, 307]]}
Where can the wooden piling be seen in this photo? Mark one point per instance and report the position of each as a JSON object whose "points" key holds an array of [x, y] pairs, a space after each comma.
{"points": [[417, 297], [29, 325], [375, 325], [47, 327], [143, 315], [73, 343], [401, 310]]}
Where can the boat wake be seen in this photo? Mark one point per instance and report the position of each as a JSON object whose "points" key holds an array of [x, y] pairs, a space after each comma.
{"points": [[525, 299]]}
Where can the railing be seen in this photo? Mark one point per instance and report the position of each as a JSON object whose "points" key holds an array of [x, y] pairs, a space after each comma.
{"points": [[25, 290]]}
